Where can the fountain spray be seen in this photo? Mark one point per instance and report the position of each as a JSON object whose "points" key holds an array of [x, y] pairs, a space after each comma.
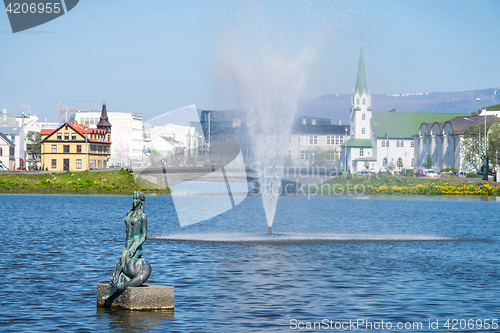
{"points": [[269, 78]]}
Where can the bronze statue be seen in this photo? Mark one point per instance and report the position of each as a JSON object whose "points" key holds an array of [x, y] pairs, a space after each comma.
{"points": [[132, 270]]}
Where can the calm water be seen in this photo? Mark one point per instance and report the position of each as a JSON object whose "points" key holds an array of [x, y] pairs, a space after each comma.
{"points": [[340, 259]]}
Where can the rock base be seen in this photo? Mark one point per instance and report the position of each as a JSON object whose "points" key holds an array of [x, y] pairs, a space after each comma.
{"points": [[145, 297]]}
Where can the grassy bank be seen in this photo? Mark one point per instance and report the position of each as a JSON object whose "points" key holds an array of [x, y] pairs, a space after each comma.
{"points": [[350, 184], [68, 182]]}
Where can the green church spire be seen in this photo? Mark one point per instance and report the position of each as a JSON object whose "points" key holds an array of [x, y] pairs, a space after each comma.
{"points": [[361, 81]]}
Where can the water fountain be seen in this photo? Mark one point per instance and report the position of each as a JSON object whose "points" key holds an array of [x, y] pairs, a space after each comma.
{"points": [[270, 84]]}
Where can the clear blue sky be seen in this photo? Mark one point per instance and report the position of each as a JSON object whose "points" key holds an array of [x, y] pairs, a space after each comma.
{"points": [[153, 56]]}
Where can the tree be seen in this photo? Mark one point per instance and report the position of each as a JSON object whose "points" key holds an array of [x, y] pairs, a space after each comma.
{"points": [[428, 162], [33, 145], [474, 149], [493, 143]]}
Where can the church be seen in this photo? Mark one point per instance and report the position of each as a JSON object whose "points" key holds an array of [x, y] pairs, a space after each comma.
{"points": [[381, 140]]}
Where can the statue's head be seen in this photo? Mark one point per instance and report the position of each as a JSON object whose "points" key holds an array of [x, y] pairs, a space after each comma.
{"points": [[139, 198]]}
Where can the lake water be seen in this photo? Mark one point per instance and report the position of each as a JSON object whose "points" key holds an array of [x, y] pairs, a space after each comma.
{"points": [[391, 259]]}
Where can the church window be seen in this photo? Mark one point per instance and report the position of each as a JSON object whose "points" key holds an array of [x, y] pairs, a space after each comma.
{"points": [[412, 144], [363, 116], [363, 130], [364, 101], [361, 152], [402, 144], [400, 162], [387, 143], [384, 162], [357, 101], [397, 143], [383, 143]]}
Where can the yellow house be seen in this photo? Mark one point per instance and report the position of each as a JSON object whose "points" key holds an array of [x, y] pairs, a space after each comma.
{"points": [[71, 147]]}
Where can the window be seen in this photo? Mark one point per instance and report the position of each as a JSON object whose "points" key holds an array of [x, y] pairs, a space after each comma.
{"points": [[412, 144], [397, 143], [78, 148], [66, 136], [313, 139], [11, 151], [304, 121], [364, 101], [54, 164], [73, 136], [384, 162], [66, 149], [327, 139], [363, 116], [59, 136], [400, 162], [383, 143], [1, 152], [357, 101], [12, 138], [313, 121], [387, 143], [361, 151], [289, 154], [363, 130], [78, 164], [402, 144], [412, 162], [104, 164], [302, 156], [54, 149], [341, 140]]}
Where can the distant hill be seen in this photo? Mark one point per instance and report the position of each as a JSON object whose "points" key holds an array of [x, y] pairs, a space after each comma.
{"points": [[336, 107]]}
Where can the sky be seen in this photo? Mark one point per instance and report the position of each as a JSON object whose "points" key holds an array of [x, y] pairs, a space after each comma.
{"points": [[152, 56]]}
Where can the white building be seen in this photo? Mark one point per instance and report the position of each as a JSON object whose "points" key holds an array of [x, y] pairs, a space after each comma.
{"points": [[126, 133], [316, 145], [7, 151], [443, 141], [16, 135], [172, 139], [381, 140]]}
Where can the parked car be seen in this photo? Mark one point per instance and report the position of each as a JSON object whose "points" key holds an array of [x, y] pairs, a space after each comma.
{"points": [[365, 173], [428, 173], [3, 167]]}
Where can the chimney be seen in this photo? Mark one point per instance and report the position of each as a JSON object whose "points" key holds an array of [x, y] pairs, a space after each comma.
{"points": [[339, 122], [75, 122], [87, 124]]}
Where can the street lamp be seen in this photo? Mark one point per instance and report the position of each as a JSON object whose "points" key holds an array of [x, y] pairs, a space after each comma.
{"points": [[345, 150], [86, 151]]}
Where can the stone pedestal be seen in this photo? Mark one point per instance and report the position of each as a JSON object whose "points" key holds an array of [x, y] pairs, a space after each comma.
{"points": [[145, 297]]}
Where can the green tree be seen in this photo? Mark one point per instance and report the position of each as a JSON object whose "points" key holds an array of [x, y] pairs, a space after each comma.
{"points": [[33, 146], [493, 143], [428, 162], [474, 149]]}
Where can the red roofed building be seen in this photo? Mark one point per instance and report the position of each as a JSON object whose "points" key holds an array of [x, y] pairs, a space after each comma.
{"points": [[71, 147]]}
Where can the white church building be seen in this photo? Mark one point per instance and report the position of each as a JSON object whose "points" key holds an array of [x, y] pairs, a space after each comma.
{"points": [[382, 139]]}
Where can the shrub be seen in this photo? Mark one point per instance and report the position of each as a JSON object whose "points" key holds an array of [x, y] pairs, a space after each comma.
{"points": [[473, 175]]}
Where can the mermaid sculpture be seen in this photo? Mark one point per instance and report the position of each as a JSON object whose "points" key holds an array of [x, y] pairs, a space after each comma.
{"points": [[131, 270]]}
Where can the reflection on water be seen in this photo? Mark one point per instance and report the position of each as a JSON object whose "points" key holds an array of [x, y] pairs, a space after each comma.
{"points": [[133, 321]]}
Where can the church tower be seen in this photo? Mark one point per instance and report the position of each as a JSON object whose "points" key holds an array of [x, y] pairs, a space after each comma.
{"points": [[357, 152], [361, 111], [104, 121]]}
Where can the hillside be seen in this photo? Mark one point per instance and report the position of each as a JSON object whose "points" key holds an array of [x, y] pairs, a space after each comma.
{"points": [[336, 107]]}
